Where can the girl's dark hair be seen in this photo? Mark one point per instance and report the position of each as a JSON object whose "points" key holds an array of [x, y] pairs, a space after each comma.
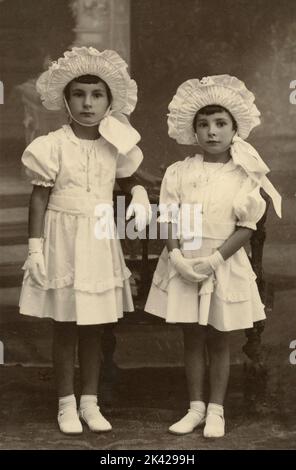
{"points": [[212, 109], [92, 79]]}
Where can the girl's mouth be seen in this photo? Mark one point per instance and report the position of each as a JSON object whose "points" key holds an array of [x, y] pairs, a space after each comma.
{"points": [[86, 114]]}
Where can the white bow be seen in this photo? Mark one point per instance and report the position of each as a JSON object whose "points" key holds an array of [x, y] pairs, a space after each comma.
{"points": [[244, 155], [116, 129]]}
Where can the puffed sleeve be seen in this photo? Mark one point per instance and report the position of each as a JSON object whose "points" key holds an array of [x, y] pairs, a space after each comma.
{"points": [[41, 161], [169, 199], [249, 206], [127, 164]]}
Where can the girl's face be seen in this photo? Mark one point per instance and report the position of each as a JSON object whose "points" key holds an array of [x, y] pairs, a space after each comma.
{"points": [[214, 132], [88, 102]]}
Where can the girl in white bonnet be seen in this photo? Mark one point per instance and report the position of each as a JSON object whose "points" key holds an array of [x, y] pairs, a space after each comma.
{"points": [[73, 274], [204, 279]]}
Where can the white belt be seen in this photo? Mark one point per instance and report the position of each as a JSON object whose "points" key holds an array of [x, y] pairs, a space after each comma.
{"points": [[78, 205]]}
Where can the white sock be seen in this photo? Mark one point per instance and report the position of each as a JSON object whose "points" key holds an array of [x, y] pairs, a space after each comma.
{"points": [[198, 406], [215, 424], [88, 400], [216, 409], [194, 417], [68, 419], [68, 401], [90, 413]]}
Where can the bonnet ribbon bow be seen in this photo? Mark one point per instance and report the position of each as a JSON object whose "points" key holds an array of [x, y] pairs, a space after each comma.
{"points": [[244, 155], [116, 129]]}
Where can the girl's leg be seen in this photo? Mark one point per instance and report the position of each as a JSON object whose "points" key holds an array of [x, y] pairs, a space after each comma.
{"points": [[195, 360], [195, 365], [218, 347], [64, 347], [89, 354]]}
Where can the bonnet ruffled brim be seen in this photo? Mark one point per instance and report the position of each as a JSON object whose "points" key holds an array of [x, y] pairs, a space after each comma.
{"points": [[107, 65], [223, 90]]}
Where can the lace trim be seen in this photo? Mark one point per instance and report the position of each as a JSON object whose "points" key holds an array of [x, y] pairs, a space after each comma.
{"points": [[46, 184], [86, 286]]}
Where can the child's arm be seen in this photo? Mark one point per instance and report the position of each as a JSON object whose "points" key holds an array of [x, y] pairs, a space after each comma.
{"points": [[41, 161], [37, 208], [249, 207], [126, 184], [35, 261], [238, 239]]}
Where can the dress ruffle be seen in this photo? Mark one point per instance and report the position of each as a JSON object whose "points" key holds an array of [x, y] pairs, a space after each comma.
{"points": [[229, 300]]}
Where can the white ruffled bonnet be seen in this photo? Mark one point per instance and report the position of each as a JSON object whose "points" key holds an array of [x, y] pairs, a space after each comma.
{"points": [[111, 68], [107, 65], [223, 90]]}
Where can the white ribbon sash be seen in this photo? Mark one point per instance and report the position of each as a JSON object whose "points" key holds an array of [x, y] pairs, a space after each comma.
{"points": [[117, 130], [244, 155]]}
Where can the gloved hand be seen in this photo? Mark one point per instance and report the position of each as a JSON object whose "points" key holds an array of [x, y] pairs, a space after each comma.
{"points": [[185, 266], [208, 264], [35, 261], [140, 208]]}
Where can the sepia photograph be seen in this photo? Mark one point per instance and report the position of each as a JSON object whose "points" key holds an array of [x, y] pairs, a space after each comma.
{"points": [[148, 229]]}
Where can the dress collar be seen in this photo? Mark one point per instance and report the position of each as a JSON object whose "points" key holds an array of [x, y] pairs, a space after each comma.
{"points": [[229, 166], [71, 136]]}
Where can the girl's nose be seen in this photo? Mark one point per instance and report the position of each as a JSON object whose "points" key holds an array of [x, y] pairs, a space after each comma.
{"points": [[87, 101], [212, 130]]}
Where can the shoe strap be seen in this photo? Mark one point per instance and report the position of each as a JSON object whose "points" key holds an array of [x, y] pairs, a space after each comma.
{"points": [[196, 412], [68, 411], [211, 413]]}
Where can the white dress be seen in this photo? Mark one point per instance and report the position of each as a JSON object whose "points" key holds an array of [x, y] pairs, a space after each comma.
{"points": [[87, 281], [229, 299]]}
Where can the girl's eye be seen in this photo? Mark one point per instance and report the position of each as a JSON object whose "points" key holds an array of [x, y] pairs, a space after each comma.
{"points": [[202, 124], [221, 123], [98, 95], [77, 93]]}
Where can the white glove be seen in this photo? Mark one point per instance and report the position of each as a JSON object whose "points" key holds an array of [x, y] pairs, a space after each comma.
{"points": [[140, 208], [185, 266], [208, 264], [35, 261]]}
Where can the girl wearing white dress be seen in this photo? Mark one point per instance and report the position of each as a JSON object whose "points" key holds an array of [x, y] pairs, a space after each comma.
{"points": [[73, 274], [204, 279]]}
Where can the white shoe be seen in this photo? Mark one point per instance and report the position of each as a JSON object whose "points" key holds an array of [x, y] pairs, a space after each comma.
{"points": [[69, 422], [215, 426], [92, 416], [188, 423]]}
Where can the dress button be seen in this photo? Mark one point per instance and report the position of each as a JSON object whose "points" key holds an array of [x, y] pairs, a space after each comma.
{"points": [[88, 190]]}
